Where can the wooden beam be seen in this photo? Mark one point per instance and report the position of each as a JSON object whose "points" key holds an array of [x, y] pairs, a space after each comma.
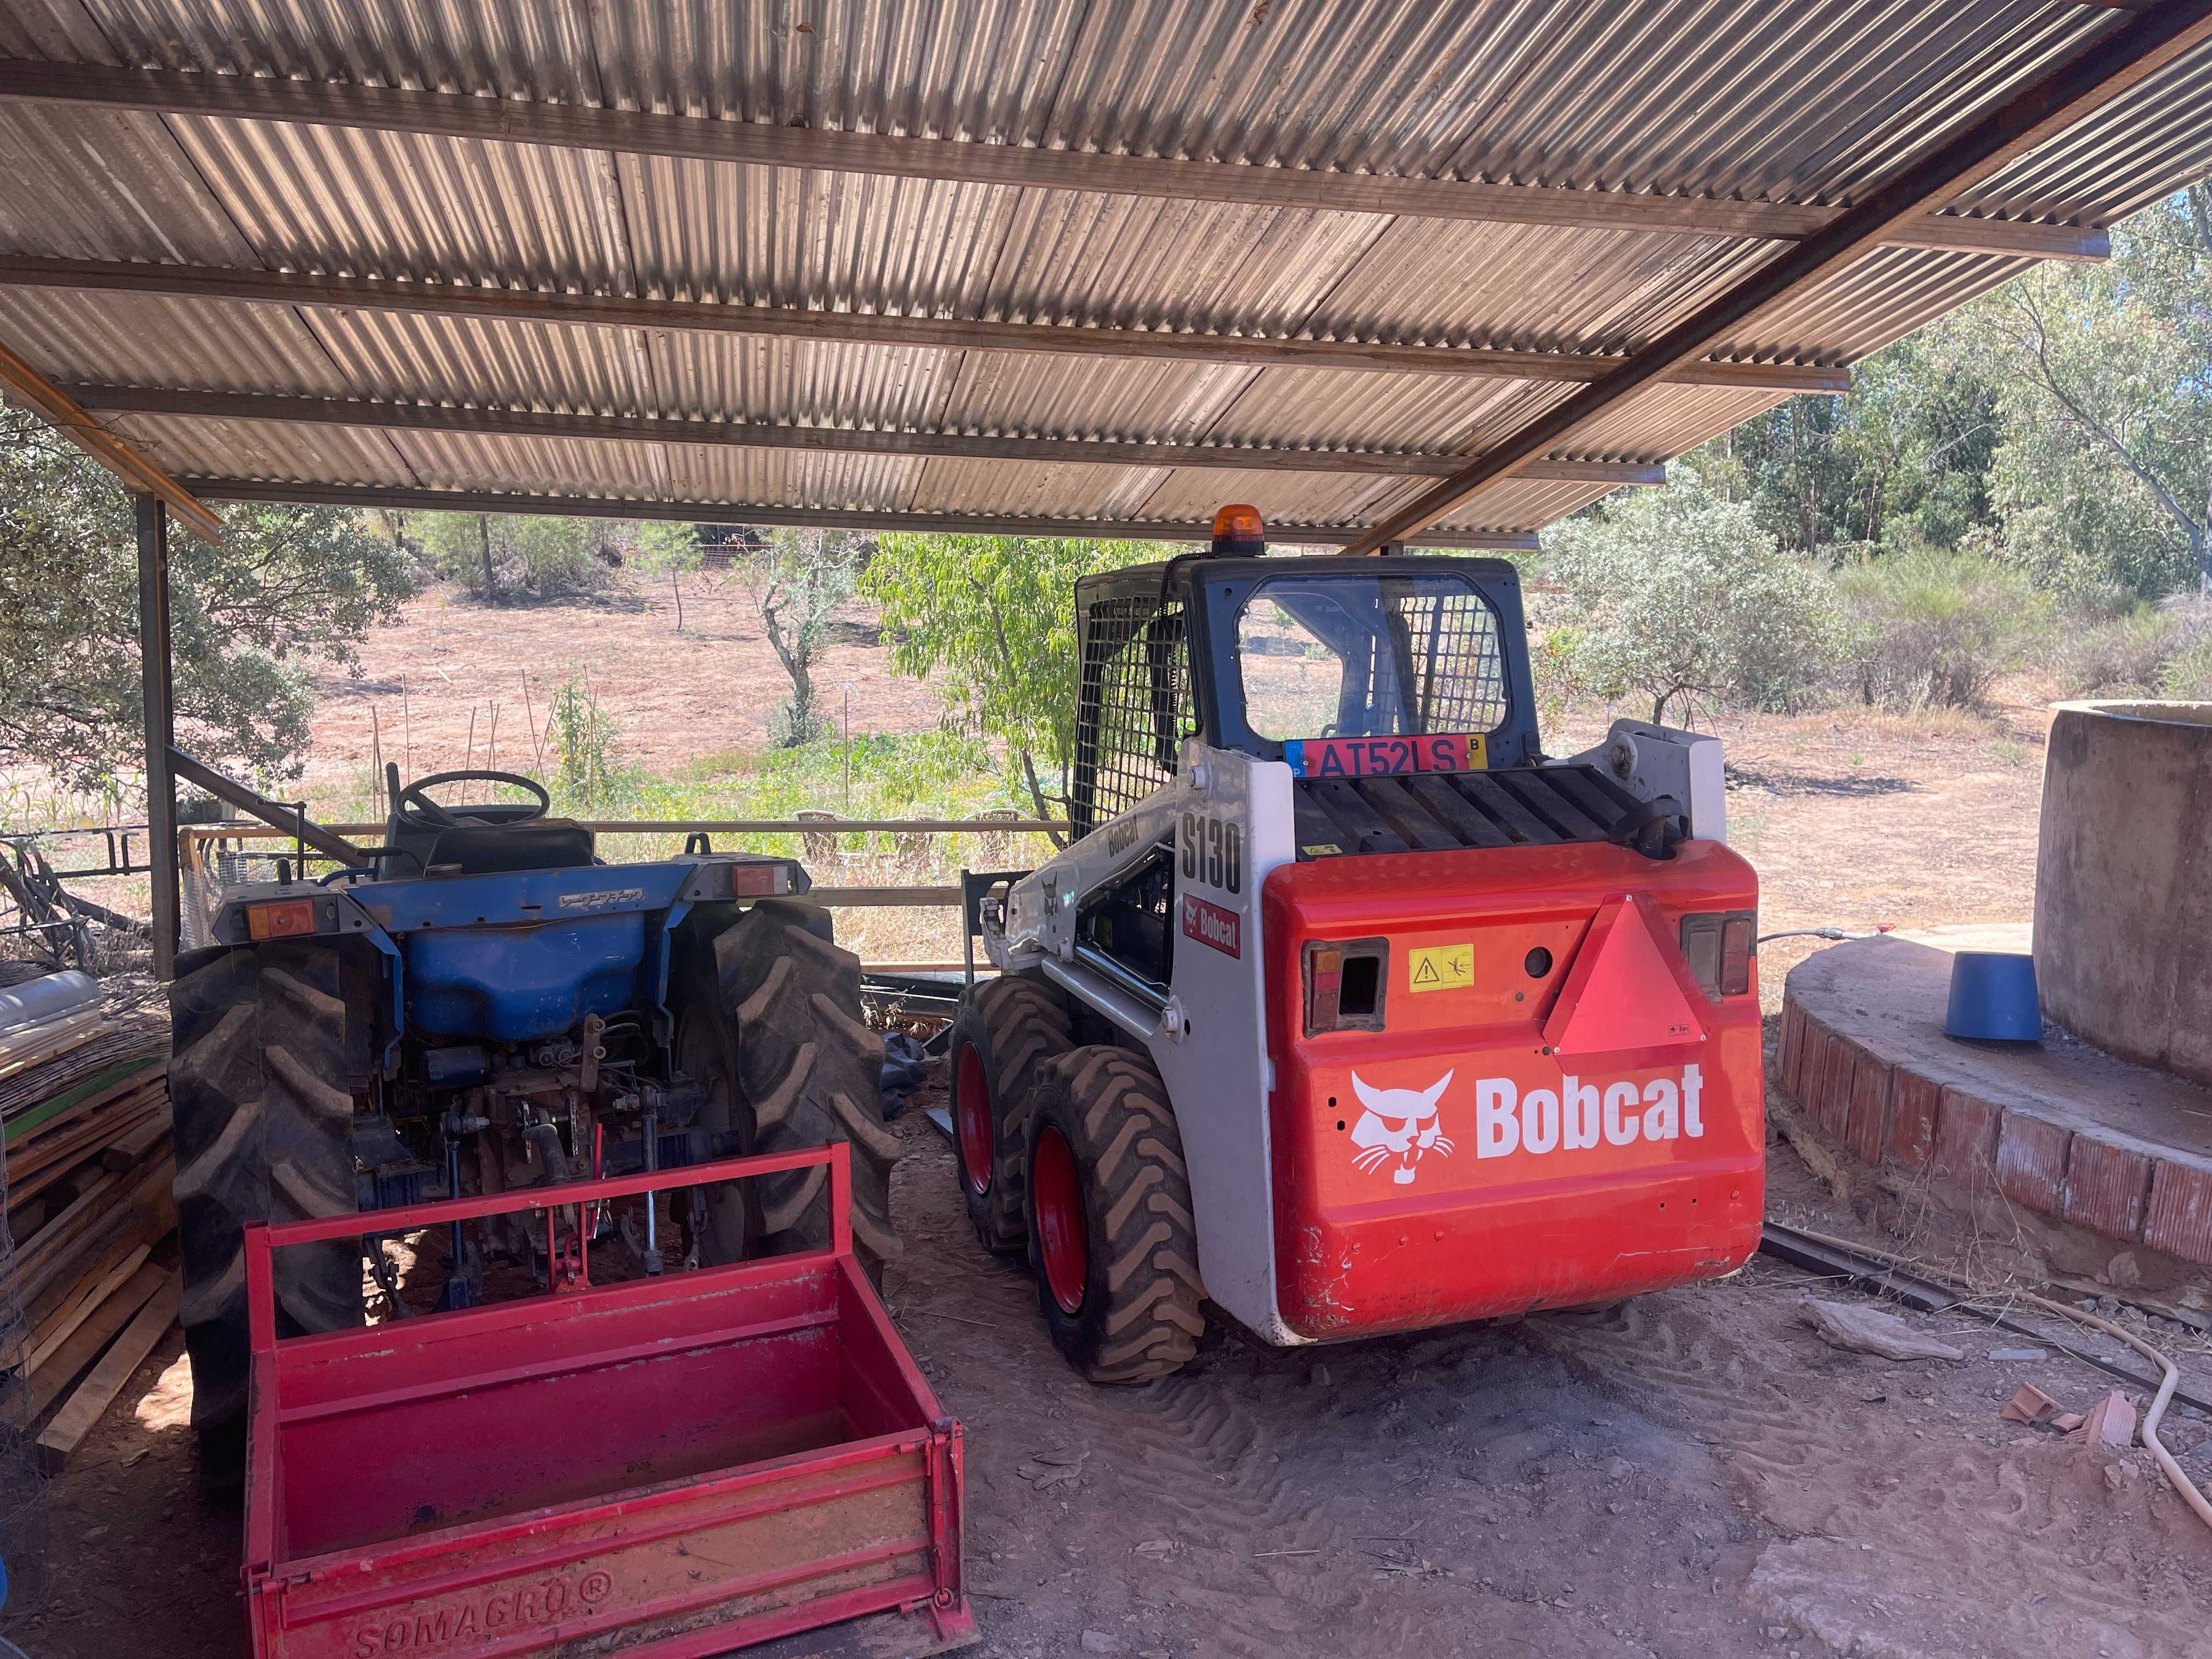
{"points": [[840, 440], [949, 524], [1971, 152], [500, 305], [754, 144], [47, 401], [68, 1362], [82, 1414]]}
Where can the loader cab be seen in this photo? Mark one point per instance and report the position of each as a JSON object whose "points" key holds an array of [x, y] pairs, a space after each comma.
{"points": [[1267, 655]]}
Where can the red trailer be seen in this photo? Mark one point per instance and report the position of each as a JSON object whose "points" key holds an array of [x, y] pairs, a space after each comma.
{"points": [[676, 1466]]}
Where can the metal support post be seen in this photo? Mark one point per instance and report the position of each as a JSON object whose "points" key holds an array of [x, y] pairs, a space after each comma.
{"points": [[160, 715]]}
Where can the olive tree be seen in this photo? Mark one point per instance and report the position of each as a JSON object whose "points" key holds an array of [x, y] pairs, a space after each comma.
{"points": [[799, 579], [1684, 598]]}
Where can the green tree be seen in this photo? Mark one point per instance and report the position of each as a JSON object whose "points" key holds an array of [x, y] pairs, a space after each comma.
{"points": [[1902, 457], [996, 615], [670, 550], [799, 579], [1683, 598], [2104, 374], [288, 586]]}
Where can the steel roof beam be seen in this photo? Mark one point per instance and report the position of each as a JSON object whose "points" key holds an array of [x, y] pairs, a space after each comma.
{"points": [[1969, 153], [816, 439], [50, 403], [644, 132], [503, 304], [950, 523]]}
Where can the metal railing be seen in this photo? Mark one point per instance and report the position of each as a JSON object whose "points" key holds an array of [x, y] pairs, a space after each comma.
{"points": [[202, 857]]}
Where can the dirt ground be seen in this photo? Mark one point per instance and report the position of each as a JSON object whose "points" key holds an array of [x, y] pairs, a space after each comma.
{"points": [[435, 681]]}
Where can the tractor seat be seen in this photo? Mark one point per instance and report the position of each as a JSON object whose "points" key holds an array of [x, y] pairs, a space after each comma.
{"points": [[495, 849]]}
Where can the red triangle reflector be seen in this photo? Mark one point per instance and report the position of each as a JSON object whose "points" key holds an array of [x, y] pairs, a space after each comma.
{"points": [[1629, 991]]}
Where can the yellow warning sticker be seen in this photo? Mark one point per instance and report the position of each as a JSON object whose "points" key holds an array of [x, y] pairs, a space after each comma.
{"points": [[1441, 968]]}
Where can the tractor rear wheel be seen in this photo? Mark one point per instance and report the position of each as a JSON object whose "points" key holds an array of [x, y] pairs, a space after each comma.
{"points": [[800, 1068], [1112, 1240], [263, 1114], [1008, 1031]]}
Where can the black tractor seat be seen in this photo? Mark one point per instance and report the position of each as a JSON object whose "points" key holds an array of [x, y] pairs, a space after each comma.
{"points": [[425, 837], [496, 849]]}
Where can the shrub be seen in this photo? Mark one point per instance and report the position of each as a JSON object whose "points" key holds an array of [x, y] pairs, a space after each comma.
{"points": [[2187, 673], [1932, 629], [584, 735], [498, 556], [1682, 598], [2123, 654]]}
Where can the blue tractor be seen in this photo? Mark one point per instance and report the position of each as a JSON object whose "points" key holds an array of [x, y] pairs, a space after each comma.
{"points": [[481, 1004]]}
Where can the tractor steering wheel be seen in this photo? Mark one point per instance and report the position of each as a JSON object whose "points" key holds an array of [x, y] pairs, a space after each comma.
{"points": [[417, 810]]}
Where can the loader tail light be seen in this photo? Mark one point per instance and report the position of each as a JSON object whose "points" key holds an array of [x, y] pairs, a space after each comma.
{"points": [[1344, 985], [1719, 945], [1324, 989], [280, 920]]}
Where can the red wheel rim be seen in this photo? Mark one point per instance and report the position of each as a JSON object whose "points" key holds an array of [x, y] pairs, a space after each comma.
{"points": [[1059, 1221], [971, 1112]]}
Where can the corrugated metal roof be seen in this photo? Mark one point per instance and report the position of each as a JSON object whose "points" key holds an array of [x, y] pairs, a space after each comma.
{"points": [[1803, 105]]}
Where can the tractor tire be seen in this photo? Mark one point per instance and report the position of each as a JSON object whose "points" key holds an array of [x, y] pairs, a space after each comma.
{"points": [[264, 1127], [804, 1069], [1006, 1035], [1111, 1237]]}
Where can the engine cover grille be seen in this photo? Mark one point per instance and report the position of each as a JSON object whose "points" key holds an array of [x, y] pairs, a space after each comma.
{"points": [[1432, 811]]}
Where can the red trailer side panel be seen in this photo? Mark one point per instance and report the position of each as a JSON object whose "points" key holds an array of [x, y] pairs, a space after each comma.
{"points": [[674, 1467]]}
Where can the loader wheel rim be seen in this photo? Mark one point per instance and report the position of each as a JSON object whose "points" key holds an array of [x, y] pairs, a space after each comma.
{"points": [[971, 1107], [1059, 1200]]}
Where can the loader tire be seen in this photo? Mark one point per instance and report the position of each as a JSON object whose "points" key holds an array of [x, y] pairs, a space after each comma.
{"points": [[263, 1127], [807, 1069], [1006, 1035], [1112, 1241]]}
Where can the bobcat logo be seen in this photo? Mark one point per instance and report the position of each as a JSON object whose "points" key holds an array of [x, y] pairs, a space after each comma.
{"points": [[1401, 1123]]}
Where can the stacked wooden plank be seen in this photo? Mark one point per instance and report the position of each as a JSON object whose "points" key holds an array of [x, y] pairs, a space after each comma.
{"points": [[84, 1114]]}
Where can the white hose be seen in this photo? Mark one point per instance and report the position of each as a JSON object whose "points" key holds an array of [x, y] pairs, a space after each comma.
{"points": [[2180, 1483]]}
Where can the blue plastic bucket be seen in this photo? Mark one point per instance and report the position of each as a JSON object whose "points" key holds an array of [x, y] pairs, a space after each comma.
{"points": [[1993, 998]]}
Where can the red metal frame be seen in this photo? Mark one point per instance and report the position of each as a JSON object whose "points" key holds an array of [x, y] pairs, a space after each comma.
{"points": [[680, 1466]]}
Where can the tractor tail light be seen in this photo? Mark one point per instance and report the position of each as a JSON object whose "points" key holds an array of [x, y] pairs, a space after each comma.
{"points": [[1719, 945], [282, 920], [754, 880], [1344, 985]]}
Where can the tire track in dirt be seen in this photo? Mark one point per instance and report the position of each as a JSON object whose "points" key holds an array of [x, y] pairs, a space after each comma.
{"points": [[1957, 1519], [1187, 1449], [1185, 1463]]}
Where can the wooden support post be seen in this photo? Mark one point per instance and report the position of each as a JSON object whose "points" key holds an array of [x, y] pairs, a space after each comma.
{"points": [[155, 643]]}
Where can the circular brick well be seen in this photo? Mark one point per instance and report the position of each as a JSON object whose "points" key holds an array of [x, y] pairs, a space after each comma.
{"points": [[2058, 1129]]}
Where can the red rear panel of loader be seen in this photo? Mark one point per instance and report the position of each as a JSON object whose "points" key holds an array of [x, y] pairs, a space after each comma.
{"points": [[1546, 1109]]}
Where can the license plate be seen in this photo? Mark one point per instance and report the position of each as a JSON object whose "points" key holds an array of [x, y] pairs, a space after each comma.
{"points": [[1385, 758]]}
